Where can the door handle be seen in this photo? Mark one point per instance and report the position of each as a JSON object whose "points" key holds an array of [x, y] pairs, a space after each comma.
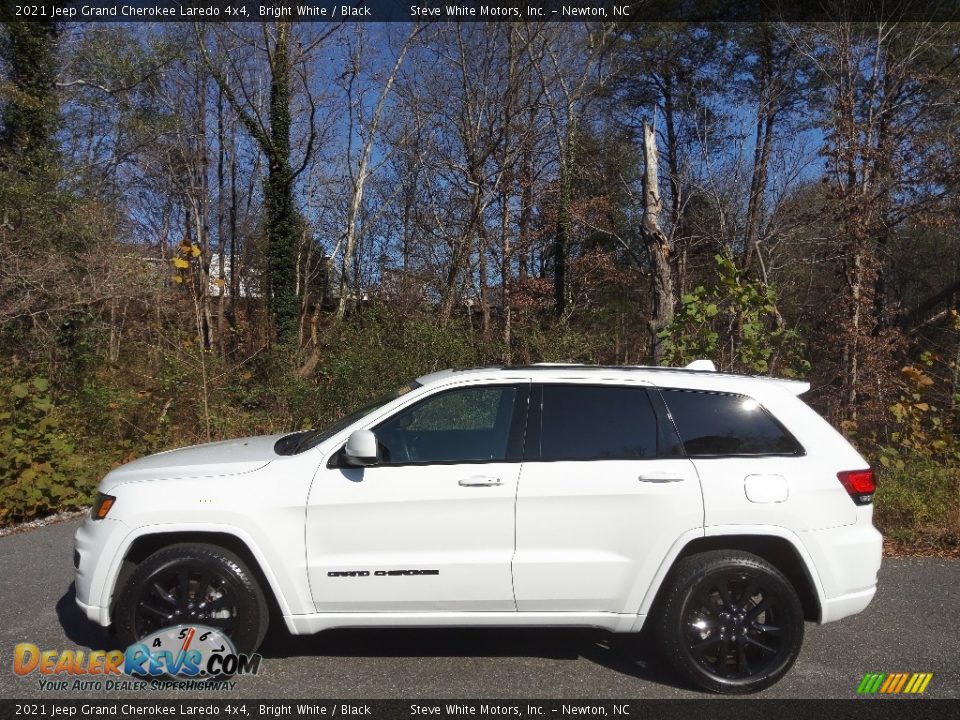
{"points": [[480, 481], [656, 477]]}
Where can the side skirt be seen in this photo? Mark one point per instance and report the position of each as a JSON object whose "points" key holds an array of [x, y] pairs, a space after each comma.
{"points": [[614, 622]]}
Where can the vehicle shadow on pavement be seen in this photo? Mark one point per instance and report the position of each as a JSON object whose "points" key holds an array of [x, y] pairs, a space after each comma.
{"points": [[632, 655], [78, 629]]}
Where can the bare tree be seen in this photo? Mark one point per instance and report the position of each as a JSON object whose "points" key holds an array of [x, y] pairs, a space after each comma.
{"points": [[657, 245], [367, 130], [286, 63]]}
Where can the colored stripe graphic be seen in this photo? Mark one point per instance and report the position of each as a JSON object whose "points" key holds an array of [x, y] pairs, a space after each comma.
{"points": [[894, 683], [870, 683]]}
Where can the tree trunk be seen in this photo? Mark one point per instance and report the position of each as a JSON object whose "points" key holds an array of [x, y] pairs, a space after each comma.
{"points": [[347, 280], [562, 240], [657, 244], [526, 204], [281, 212], [461, 249], [766, 118], [483, 245], [673, 150], [506, 275]]}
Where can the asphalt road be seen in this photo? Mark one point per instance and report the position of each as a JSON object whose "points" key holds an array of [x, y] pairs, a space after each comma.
{"points": [[911, 626]]}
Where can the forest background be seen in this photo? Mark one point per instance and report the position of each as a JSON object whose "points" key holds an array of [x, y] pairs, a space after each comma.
{"points": [[216, 230]]}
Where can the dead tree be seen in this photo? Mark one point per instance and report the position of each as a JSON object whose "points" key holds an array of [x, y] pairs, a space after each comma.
{"points": [[657, 245]]}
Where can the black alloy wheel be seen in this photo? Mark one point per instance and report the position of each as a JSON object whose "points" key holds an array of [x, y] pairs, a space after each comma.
{"points": [[185, 594], [731, 623], [192, 584]]}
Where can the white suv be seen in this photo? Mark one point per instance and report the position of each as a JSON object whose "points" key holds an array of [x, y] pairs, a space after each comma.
{"points": [[720, 508]]}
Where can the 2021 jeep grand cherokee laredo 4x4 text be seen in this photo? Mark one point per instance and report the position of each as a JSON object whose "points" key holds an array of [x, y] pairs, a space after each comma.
{"points": [[719, 508]]}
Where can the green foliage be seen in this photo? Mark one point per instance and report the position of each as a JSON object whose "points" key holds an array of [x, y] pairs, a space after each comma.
{"points": [[40, 468], [736, 323], [919, 488], [558, 342], [378, 351], [30, 108], [919, 427], [919, 497]]}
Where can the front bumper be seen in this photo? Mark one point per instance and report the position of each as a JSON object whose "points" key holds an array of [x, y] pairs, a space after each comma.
{"points": [[96, 547]]}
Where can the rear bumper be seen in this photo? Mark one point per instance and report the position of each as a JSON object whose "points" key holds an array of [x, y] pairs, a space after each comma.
{"points": [[847, 560], [846, 605]]}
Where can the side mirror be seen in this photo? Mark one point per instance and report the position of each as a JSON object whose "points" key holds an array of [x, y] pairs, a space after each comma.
{"points": [[361, 448]]}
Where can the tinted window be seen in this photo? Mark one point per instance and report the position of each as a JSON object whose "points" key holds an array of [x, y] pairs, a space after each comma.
{"points": [[462, 425], [712, 424], [586, 422]]}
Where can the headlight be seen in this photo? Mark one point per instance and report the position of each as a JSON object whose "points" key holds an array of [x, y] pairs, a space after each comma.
{"points": [[102, 506]]}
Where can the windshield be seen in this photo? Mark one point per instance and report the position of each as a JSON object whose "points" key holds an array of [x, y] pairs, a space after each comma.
{"points": [[299, 442]]}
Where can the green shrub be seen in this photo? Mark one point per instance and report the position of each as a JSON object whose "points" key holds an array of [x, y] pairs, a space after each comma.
{"points": [[919, 498], [40, 469], [734, 322], [918, 494]]}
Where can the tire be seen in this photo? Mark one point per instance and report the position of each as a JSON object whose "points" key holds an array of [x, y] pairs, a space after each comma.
{"points": [[238, 606], [730, 622]]}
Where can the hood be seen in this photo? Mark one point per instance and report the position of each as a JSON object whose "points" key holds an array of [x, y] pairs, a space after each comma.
{"points": [[229, 457]]}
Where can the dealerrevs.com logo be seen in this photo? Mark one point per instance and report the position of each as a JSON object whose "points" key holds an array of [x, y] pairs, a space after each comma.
{"points": [[184, 657]]}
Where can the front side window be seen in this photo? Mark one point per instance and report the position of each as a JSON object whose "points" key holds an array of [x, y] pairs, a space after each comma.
{"points": [[469, 424], [718, 424], [596, 422]]}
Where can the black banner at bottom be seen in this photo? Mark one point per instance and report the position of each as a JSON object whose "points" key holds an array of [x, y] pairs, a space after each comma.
{"points": [[716, 709]]}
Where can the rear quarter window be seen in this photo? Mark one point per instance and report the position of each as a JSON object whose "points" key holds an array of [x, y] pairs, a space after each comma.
{"points": [[714, 424]]}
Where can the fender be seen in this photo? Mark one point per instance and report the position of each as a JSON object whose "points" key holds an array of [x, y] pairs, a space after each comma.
{"points": [[265, 566], [719, 531]]}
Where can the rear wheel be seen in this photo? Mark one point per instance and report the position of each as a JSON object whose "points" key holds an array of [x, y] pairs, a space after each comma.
{"points": [[730, 622], [192, 584]]}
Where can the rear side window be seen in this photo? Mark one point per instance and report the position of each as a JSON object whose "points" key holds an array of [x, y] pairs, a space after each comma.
{"points": [[719, 424], [596, 422]]}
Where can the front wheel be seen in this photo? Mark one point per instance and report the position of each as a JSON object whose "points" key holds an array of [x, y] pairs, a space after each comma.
{"points": [[192, 584], [730, 622]]}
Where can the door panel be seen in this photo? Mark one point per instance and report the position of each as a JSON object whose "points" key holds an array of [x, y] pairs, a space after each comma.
{"points": [[600, 501], [590, 532], [414, 518], [430, 527]]}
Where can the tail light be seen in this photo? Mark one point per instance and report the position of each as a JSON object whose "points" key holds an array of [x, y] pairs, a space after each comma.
{"points": [[859, 484]]}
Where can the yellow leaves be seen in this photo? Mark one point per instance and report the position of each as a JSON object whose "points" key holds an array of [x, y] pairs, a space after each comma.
{"points": [[898, 411], [186, 252], [917, 376], [220, 282]]}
